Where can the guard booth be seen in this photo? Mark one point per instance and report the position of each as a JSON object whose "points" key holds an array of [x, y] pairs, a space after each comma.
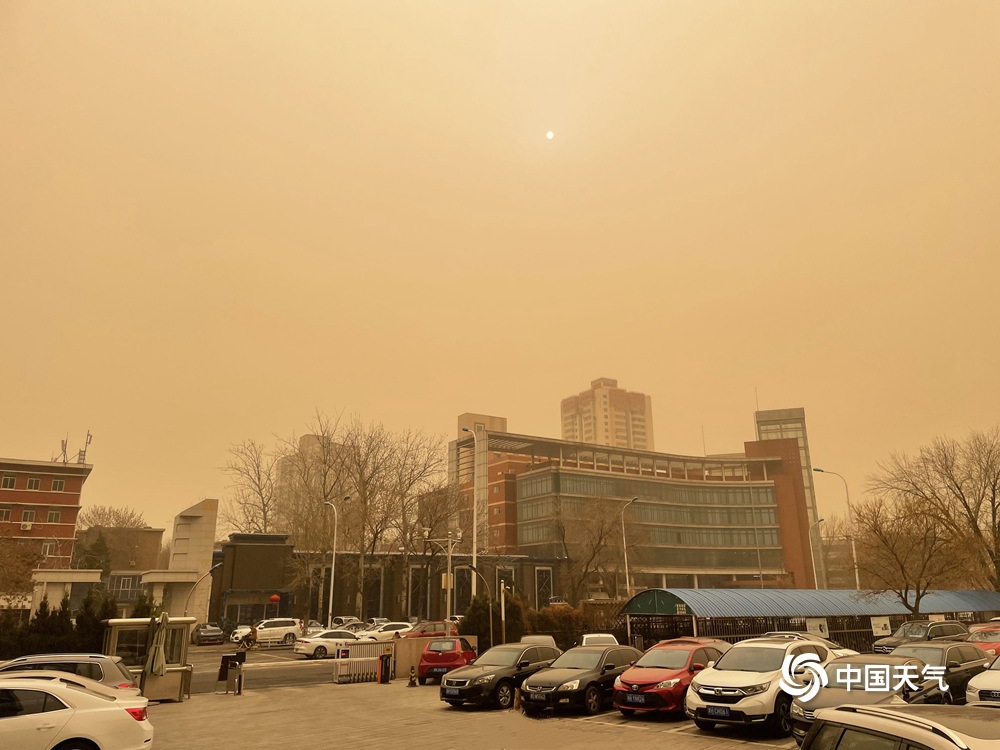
{"points": [[135, 639]]}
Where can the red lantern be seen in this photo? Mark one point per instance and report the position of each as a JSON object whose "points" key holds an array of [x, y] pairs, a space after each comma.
{"points": [[275, 598]]}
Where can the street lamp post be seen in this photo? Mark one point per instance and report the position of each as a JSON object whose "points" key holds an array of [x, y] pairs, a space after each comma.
{"points": [[489, 591], [503, 611], [447, 545], [210, 571], [850, 514], [475, 502], [812, 552], [333, 562], [628, 585]]}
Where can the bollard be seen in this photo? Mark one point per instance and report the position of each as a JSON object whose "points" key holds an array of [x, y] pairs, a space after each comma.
{"points": [[413, 678], [517, 700]]}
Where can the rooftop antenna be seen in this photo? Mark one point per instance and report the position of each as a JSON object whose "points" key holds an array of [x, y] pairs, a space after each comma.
{"points": [[81, 457], [704, 445]]}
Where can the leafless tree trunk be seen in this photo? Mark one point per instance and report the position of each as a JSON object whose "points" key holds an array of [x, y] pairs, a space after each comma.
{"points": [[252, 470]]}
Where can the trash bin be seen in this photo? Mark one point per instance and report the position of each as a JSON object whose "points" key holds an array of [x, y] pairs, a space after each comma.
{"points": [[385, 666], [234, 679]]}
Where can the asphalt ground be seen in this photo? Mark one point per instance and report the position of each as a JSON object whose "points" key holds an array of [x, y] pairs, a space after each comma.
{"points": [[323, 714]]}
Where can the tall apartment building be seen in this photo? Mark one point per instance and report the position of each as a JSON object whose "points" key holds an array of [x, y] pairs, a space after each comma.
{"points": [[39, 502], [609, 415]]}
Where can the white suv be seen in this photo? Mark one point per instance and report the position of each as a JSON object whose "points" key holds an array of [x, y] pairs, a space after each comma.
{"points": [[742, 687], [920, 727], [279, 630]]}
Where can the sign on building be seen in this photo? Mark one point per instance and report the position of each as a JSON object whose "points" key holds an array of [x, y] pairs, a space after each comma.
{"points": [[880, 626], [818, 626]]}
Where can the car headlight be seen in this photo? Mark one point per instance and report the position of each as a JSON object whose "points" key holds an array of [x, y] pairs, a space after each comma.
{"points": [[666, 684], [757, 689], [618, 683], [695, 685], [571, 685], [484, 680], [797, 710]]}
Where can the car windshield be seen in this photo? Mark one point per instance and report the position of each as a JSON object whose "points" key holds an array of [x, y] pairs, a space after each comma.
{"points": [[499, 657], [930, 656], [441, 646], [578, 660], [985, 636], [751, 659], [665, 658], [911, 630]]}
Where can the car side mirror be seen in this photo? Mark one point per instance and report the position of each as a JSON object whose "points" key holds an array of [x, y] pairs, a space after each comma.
{"points": [[631, 663], [523, 665], [954, 665], [607, 667], [711, 664], [697, 667]]}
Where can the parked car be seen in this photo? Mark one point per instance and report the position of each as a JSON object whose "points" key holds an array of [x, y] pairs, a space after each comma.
{"points": [[962, 662], [456, 618], [442, 656], [320, 645], [985, 686], [834, 648], [988, 639], [540, 640], [496, 674], [238, 632], [313, 626], [581, 678], [206, 633], [926, 727], [915, 631], [845, 686], [386, 632], [742, 687], [375, 621], [660, 678], [994, 622], [597, 639], [355, 627], [435, 629], [108, 670], [340, 621], [43, 713], [279, 630]]}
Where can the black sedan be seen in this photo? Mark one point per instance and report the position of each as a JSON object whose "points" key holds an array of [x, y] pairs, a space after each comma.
{"points": [[960, 662], [582, 678], [495, 675]]}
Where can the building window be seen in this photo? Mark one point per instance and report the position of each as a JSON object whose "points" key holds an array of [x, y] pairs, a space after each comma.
{"points": [[34, 483], [8, 483], [496, 511], [27, 516], [49, 548], [54, 516], [58, 485], [4, 514], [543, 587], [496, 489]]}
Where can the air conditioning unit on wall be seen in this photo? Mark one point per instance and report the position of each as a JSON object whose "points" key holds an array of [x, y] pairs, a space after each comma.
{"points": [[26, 526]]}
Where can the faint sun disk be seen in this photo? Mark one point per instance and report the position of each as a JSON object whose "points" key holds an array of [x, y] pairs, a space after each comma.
{"points": [[550, 135]]}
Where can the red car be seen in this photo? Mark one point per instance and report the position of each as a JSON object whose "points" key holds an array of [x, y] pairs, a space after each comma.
{"points": [[443, 655], [988, 639], [660, 678]]}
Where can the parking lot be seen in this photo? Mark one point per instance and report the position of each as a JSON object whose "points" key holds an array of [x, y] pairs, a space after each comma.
{"points": [[390, 716]]}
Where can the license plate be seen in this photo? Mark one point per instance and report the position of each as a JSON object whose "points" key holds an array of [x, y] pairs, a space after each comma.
{"points": [[635, 698], [437, 670], [537, 697], [721, 711], [451, 691]]}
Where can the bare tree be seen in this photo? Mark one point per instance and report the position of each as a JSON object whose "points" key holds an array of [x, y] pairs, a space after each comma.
{"points": [[17, 560], [110, 517], [252, 470], [903, 550], [957, 483], [590, 535]]}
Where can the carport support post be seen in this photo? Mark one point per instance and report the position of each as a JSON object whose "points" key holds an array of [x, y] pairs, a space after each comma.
{"points": [[628, 629], [694, 625]]}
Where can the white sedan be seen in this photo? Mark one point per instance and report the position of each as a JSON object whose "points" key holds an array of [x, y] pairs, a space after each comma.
{"points": [[386, 631], [43, 711], [319, 645]]}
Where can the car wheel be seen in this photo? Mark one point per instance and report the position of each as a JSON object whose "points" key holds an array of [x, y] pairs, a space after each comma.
{"points": [[422, 680], [74, 745], [505, 695], [628, 713], [592, 700], [780, 722], [319, 652], [705, 726]]}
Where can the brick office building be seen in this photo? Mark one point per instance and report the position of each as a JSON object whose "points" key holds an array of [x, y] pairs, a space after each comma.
{"points": [[39, 502]]}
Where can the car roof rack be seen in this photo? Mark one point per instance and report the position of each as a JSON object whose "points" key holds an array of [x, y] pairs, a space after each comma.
{"points": [[914, 721]]}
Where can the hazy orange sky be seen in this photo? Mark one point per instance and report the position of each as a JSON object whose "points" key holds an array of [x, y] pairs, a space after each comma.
{"points": [[218, 217]]}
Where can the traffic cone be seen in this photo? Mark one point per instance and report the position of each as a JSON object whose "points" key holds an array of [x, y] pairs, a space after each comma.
{"points": [[413, 678]]}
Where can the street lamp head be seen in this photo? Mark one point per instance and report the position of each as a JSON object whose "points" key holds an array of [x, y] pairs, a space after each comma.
{"points": [[346, 498], [215, 567], [816, 468], [466, 429]]}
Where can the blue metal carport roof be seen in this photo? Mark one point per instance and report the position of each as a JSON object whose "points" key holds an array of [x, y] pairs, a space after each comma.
{"points": [[800, 603]]}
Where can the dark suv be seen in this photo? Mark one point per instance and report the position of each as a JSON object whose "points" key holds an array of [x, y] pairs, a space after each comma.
{"points": [[496, 674], [915, 631]]}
